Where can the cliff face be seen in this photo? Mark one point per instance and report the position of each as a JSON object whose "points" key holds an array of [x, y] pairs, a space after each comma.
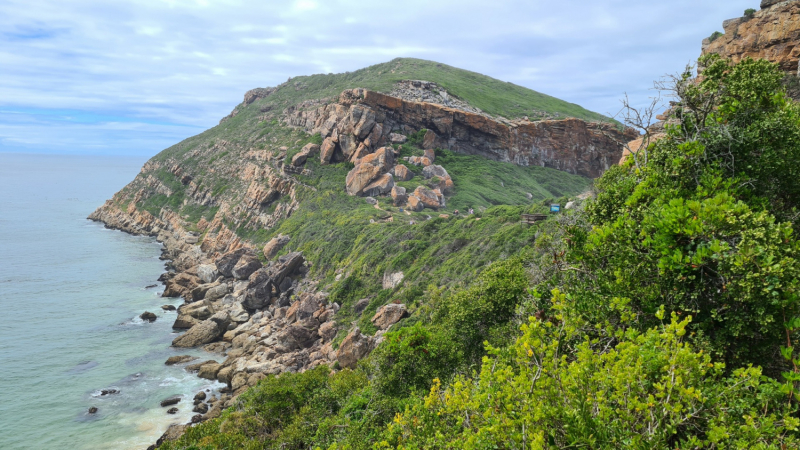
{"points": [[363, 116], [773, 33]]}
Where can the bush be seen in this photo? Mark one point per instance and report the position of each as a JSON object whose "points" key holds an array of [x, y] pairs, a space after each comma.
{"points": [[714, 36], [749, 13]]}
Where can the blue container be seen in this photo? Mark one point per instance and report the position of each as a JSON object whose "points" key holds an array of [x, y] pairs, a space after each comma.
{"points": [[555, 207]]}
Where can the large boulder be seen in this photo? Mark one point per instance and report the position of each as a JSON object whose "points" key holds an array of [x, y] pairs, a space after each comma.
{"points": [[180, 359], [382, 158], [414, 203], [389, 315], [327, 331], [302, 309], [428, 198], [382, 185], [199, 293], [360, 177], [396, 138], [327, 151], [354, 347], [207, 273], [429, 141], [430, 154], [209, 371], [259, 290], [204, 332], [217, 292], [180, 285], [402, 173], [309, 150], [227, 262], [247, 264], [435, 170], [392, 280], [399, 195], [296, 337], [275, 245]]}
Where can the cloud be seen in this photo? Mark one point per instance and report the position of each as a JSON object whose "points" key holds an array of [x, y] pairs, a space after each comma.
{"points": [[175, 67]]}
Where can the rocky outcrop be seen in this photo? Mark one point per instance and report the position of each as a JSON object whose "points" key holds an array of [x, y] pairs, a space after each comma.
{"points": [[773, 33], [365, 119], [389, 315]]}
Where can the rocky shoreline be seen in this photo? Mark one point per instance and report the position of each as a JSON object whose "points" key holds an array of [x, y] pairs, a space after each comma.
{"points": [[262, 318]]}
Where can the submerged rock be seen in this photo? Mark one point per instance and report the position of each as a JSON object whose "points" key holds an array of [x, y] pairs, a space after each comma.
{"points": [[92, 410], [172, 360], [173, 411], [147, 316], [170, 401]]}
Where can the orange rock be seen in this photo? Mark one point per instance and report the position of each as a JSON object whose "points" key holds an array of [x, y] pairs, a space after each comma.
{"points": [[399, 195], [428, 198], [430, 155], [401, 173], [327, 150], [382, 185], [414, 203], [359, 177]]}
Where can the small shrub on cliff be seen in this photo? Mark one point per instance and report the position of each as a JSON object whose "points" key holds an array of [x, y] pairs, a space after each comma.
{"points": [[714, 36], [749, 13]]}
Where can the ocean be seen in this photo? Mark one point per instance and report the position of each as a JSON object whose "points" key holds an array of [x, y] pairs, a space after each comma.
{"points": [[71, 292]]}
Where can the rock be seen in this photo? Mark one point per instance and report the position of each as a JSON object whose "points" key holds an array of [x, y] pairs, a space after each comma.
{"points": [[105, 392], [287, 264], [259, 290], [767, 3], [147, 316], [209, 371], [247, 264], [327, 151], [275, 245], [392, 280], [170, 401], [382, 185], [180, 285], [569, 205], [371, 200], [435, 171], [427, 198], [401, 173], [150, 286], [361, 305], [172, 411], [529, 195], [399, 195], [354, 347], [207, 273], [238, 314], [429, 141], [224, 375], [296, 337], [395, 138], [201, 408], [200, 396], [383, 158], [307, 151], [227, 262], [359, 177], [389, 315], [172, 360], [327, 331], [217, 292], [203, 333], [199, 293], [174, 432], [198, 366], [414, 203], [92, 410], [168, 307], [197, 418], [302, 309]]}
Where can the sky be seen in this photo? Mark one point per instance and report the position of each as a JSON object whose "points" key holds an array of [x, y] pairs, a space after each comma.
{"points": [[132, 77]]}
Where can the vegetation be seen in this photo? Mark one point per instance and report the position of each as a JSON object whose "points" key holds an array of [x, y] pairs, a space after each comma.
{"points": [[715, 35], [749, 13], [663, 316]]}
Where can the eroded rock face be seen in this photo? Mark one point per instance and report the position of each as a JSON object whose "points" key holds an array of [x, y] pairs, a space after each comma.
{"points": [[772, 34]]}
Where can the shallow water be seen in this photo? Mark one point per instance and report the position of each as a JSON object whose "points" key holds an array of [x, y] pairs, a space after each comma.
{"points": [[71, 292]]}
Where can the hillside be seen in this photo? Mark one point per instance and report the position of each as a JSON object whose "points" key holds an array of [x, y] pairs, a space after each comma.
{"points": [[322, 213]]}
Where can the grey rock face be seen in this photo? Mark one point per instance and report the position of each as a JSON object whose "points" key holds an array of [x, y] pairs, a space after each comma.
{"points": [[207, 273], [247, 264]]}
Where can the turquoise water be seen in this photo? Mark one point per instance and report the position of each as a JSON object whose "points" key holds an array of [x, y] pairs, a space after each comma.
{"points": [[71, 292]]}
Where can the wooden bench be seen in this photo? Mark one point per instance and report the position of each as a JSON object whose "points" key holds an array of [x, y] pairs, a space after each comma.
{"points": [[531, 219]]}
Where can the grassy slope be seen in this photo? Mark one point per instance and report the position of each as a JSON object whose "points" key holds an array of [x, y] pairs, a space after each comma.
{"points": [[491, 95]]}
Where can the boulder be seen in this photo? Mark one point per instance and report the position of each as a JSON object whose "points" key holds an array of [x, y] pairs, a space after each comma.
{"points": [[172, 360], [201, 408], [382, 158], [147, 316], [427, 197], [401, 173], [302, 309], [173, 411], [296, 337], [259, 290], [414, 203], [174, 432], [382, 185], [309, 150], [429, 140], [92, 410], [430, 154], [203, 333], [419, 161], [361, 305], [180, 285], [209, 371], [170, 401], [327, 331], [199, 293], [207, 273], [200, 396], [399, 195], [327, 150], [389, 315], [247, 264], [354, 347], [275, 245], [371, 200], [227, 262], [217, 292], [360, 152], [238, 313], [198, 366], [285, 266], [168, 307], [435, 171], [396, 138], [359, 177], [392, 280]]}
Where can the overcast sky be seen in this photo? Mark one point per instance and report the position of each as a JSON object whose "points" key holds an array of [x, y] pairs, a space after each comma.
{"points": [[131, 77]]}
